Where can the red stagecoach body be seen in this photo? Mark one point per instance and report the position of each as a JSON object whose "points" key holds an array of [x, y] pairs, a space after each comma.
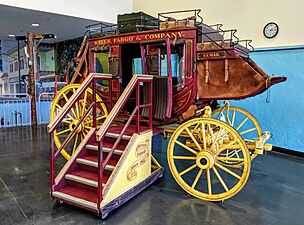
{"points": [[209, 69]]}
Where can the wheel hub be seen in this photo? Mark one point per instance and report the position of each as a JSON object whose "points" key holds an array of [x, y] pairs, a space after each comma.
{"points": [[205, 160], [79, 128]]}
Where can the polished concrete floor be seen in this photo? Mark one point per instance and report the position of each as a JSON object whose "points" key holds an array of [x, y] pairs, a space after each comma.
{"points": [[274, 193]]}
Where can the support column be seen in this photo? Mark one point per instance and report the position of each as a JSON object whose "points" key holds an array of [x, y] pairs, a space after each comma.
{"points": [[32, 93]]}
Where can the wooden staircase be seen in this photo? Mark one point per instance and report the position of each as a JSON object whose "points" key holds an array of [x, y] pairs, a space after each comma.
{"points": [[81, 182], [120, 160]]}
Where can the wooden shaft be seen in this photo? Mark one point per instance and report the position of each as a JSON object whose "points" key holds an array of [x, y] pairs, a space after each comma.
{"points": [[32, 93], [84, 41]]}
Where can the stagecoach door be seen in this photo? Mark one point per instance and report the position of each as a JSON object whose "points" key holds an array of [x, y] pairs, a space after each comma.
{"points": [[156, 60]]}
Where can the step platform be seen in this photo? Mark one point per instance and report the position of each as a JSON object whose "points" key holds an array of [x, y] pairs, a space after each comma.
{"points": [[130, 170]]}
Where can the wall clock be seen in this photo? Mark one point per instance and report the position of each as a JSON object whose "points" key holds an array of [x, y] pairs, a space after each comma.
{"points": [[271, 30]]}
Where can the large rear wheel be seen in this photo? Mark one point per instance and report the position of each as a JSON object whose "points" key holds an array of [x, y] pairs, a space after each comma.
{"points": [[74, 116], [241, 120]]}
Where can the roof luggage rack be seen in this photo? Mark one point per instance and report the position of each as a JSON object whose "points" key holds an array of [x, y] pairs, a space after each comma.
{"points": [[135, 22], [215, 34], [101, 29], [193, 13]]}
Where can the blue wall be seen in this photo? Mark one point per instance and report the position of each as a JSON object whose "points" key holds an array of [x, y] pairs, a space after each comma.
{"points": [[283, 116]]}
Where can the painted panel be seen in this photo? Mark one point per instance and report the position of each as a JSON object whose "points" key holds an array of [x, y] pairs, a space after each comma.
{"points": [[133, 167]]}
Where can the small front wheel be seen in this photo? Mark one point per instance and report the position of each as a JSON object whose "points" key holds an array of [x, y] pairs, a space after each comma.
{"points": [[195, 152]]}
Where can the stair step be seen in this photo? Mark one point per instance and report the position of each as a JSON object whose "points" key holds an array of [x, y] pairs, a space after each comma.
{"points": [[114, 135], [82, 180], [77, 196], [93, 163], [87, 177], [105, 149]]}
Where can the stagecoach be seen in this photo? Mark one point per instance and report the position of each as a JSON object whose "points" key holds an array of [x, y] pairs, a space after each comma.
{"points": [[148, 76]]}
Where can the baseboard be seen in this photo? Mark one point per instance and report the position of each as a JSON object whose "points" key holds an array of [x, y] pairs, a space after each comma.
{"points": [[288, 151]]}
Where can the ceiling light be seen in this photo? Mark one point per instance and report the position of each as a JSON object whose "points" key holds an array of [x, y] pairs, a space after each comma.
{"points": [[11, 35], [35, 24]]}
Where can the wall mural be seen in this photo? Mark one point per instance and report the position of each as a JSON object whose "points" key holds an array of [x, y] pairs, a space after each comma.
{"points": [[66, 52]]}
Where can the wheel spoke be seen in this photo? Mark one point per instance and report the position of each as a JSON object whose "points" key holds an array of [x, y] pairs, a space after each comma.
{"points": [[220, 178], [67, 121], [77, 109], [98, 118], [86, 131], [204, 136], [224, 147], [84, 101], [220, 113], [227, 117], [210, 130], [187, 170], [247, 131], [65, 97], [242, 123], [209, 182], [75, 143], [62, 132], [197, 125], [237, 153], [58, 106], [233, 117], [184, 157], [197, 178], [193, 139], [186, 147], [228, 171], [82, 136]]}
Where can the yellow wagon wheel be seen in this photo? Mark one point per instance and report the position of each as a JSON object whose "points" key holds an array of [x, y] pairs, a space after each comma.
{"points": [[197, 169], [241, 120], [73, 117]]}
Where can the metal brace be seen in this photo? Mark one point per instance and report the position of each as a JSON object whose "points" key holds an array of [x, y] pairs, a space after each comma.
{"points": [[260, 145]]}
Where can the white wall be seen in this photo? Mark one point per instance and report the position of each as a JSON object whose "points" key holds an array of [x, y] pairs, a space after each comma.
{"points": [[248, 16], [102, 10]]}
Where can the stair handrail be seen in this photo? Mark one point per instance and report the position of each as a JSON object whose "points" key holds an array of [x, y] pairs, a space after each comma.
{"points": [[90, 79], [120, 103], [67, 107], [100, 134]]}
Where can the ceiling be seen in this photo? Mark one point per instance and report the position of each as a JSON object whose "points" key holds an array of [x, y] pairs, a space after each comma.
{"points": [[18, 21]]}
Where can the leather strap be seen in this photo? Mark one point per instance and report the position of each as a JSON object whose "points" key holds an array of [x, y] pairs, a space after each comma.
{"points": [[207, 74], [226, 70]]}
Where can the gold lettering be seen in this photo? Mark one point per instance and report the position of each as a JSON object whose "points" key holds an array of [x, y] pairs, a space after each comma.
{"points": [[180, 34]]}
